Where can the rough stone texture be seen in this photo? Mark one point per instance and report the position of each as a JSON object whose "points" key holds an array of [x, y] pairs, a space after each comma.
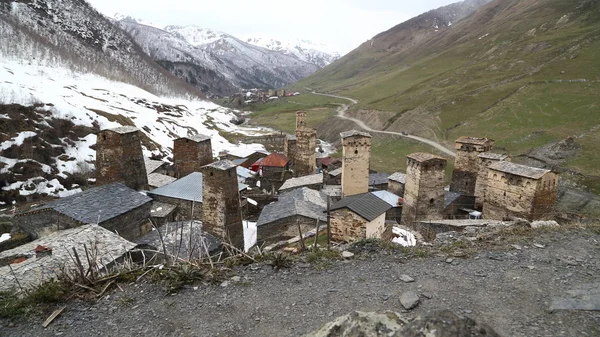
{"points": [[184, 207], [190, 154], [485, 160], [348, 226], [305, 157], [409, 300], [221, 211], [289, 148], [363, 324], [396, 187], [355, 163], [530, 197], [424, 192], [300, 119], [445, 324], [119, 158], [466, 165], [286, 228]]}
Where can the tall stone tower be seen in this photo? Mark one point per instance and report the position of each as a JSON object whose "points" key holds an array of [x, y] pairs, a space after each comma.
{"points": [[191, 153], [289, 147], [305, 158], [119, 157], [466, 166], [424, 190], [356, 151], [221, 211], [485, 160]]}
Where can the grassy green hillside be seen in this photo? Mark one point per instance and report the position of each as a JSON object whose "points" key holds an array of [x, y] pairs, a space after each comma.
{"points": [[523, 72]]}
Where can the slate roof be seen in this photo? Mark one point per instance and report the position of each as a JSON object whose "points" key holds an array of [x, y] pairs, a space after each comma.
{"points": [[519, 170], [388, 197], [123, 129], [450, 197], [273, 160], [306, 194], [152, 165], [222, 165], [399, 177], [335, 172], [473, 140], [423, 157], [291, 137], [332, 190], [367, 205], [491, 155], [97, 204], [176, 237], [196, 138], [354, 133], [302, 201], [187, 188], [378, 178], [159, 179], [292, 183]]}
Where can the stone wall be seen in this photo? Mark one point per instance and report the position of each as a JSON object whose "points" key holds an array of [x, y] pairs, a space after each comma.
{"points": [[190, 155], [273, 178], [347, 226], [289, 149], [305, 159], [184, 207], [396, 187], [286, 228], [132, 224], [355, 165], [512, 195], [466, 166], [424, 190], [481, 184], [119, 157], [221, 210]]}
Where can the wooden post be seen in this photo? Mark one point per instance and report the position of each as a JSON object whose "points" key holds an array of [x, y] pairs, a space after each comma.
{"points": [[328, 223], [316, 234], [302, 245]]}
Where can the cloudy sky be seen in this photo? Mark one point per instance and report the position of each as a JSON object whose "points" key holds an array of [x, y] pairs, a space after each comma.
{"points": [[341, 24]]}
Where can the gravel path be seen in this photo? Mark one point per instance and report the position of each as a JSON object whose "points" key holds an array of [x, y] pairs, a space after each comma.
{"points": [[510, 290]]}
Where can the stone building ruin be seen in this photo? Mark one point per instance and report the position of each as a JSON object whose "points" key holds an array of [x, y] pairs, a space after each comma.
{"points": [[305, 161], [190, 153], [485, 160], [221, 210], [519, 191], [466, 167], [424, 190], [119, 158], [356, 154]]}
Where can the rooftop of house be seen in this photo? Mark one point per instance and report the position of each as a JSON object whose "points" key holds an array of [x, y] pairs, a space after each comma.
{"points": [[519, 170], [292, 183], [123, 129], [152, 165], [422, 157], [273, 160], [177, 237], [332, 190], [195, 138], [240, 161], [378, 178], [366, 205], [450, 197], [353, 133], [187, 188], [97, 204], [290, 137], [494, 156], [159, 179], [335, 172], [306, 194], [399, 177], [389, 197], [244, 173], [287, 207], [473, 140], [222, 165], [327, 160], [161, 209], [36, 270]]}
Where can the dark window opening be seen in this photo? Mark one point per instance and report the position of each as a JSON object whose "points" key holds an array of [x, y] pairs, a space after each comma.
{"points": [[355, 151], [431, 201]]}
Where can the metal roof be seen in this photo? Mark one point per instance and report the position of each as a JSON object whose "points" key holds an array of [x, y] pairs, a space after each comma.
{"points": [[354, 133], [97, 204], [519, 170], [244, 172], [239, 161], [399, 177], [273, 160], [187, 188], [388, 197], [302, 181], [367, 205]]}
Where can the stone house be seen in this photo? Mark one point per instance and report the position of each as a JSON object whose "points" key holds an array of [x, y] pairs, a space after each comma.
{"points": [[396, 183], [356, 151], [359, 216], [333, 177], [520, 191], [378, 181], [485, 160], [273, 170], [119, 158], [466, 166], [313, 181], [328, 163], [424, 192], [457, 206], [115, 207], [301, 207], [190, 153]]}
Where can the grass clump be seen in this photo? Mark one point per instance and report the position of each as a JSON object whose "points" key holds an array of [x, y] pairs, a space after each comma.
{"points": [[37, 300]]}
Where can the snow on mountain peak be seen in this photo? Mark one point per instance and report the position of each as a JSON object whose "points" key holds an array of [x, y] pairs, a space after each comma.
{"points": [[196, 36], [305, 50]]}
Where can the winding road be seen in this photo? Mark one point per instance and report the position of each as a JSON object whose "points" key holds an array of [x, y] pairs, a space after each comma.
{"points": [[343, 108]]}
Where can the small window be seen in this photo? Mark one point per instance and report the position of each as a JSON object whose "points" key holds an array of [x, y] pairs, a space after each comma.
{"points": [[431, 201], [212, 174], [355, 151]]}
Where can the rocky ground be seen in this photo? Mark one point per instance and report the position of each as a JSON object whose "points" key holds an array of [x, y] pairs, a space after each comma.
{"points": [[511, 286]]}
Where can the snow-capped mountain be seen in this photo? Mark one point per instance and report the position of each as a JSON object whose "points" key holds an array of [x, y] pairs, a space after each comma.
{"points": [[305, 50]]}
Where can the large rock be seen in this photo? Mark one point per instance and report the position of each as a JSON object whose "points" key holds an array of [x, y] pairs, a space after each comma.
{"points": [[445, 324], [365, 324], [409, 300]]}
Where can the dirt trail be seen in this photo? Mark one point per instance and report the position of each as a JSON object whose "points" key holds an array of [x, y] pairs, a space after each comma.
{"points": [[342, 110]]}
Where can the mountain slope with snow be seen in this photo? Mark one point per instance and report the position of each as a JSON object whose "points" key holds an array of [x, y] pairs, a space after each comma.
{"points": [[307, 51]]}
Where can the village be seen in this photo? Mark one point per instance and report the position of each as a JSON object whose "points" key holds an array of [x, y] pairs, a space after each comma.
{"points": [[203, 206]]}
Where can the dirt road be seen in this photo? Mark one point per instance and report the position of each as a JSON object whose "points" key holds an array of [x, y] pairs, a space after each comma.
{"points": [[341, 114]]}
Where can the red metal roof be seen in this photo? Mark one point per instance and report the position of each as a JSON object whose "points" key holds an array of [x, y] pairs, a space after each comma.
{"points": [[272, 160]]}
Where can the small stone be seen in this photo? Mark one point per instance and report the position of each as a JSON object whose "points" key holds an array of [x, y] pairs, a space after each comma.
{"points": [[236, 279], [449, 260], [517, 247], [537, 245], [346, 254], [406, 278], [303, 265], [224, 284], [531, 267], [427, 295], [480, 274], [455, 263], [409, 300]]}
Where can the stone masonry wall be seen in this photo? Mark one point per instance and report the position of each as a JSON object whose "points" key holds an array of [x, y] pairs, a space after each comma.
{"points": [[466, 167], [189, 155], [396, 188], [43, 223], [289, 149], [119, 157], [221, 209], [424, 191], [347, 226], [132, 224], [184, 207], [355, 165], [305, 159], [481, 183]]}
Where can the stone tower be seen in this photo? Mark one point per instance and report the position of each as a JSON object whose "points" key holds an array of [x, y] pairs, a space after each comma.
{"points": [[221, 211], [119, 157], [305, 158], [485, 160], [466, 166], [289, 147], [424, 190], [356, 152], [191, 153]]}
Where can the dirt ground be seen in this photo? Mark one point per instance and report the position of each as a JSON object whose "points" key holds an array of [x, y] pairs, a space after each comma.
{"points": [[510, 289]]}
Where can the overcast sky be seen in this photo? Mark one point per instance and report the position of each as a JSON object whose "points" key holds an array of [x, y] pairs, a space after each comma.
{"points": [[341, 24]]}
